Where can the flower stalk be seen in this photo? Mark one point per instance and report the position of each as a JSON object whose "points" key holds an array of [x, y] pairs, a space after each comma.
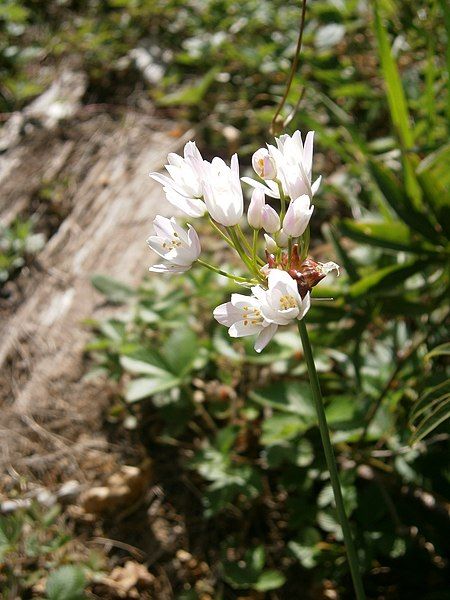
{"points": [[331, 462]]}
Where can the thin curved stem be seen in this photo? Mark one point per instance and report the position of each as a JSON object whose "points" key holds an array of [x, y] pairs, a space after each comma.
{"points": [[273, 127], [331, 462], [220, 272], [221, 233]]}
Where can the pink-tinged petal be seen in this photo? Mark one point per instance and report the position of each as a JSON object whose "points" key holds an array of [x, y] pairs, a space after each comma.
{"points": [[315, 186], [265, 336], [163, 226], [227, 314], [235, 165], [265, 188], [191, 150], [308, 152], [270, 219], [174, 159], [190, 206], [194, 241], [255, 209]]}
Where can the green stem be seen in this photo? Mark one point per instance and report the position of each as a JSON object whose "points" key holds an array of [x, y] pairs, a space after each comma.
{"points": [[255, 246], [305, 243], [282, 202], [331, 462], [221, 233], [240, 250], [289, 252], [220, 272]]}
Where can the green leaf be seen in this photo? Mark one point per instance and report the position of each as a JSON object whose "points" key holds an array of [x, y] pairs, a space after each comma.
{"points": [[394, 88], [433, 174], [190, 94], [397, 197], [180, 350], [393, 235], [429, 400], [269, 580], [114, 290], [442, 350], [437, 416], [139, 367], [66, 583], [288, 397], [397, 104], [387, 278], [144, 387]]}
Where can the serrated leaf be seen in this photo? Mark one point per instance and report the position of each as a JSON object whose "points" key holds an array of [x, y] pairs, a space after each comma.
{"points": [[66, 583]]}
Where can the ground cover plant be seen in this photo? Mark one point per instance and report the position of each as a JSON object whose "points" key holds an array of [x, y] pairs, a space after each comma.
{"points": [[233, 432]]}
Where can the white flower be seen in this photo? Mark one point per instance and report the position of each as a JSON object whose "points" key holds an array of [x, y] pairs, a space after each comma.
{"points": [[223, 192], [178, 247], [293, 167], [271, 245], [297, 216], [281, 303], [265, 310], [254, 213], [263, 164], [184, 188], [294, 164], [262, 215], [243, 317]]}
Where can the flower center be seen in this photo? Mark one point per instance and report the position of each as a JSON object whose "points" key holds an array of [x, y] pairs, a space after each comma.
{"points": [[251, 316], [287, 301], [174, 243]]}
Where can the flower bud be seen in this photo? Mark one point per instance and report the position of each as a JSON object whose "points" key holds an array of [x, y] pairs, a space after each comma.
{"points": [[271, 245], [270, 219], [281, 239], [263, 164], [255, 209], [297, 216]]}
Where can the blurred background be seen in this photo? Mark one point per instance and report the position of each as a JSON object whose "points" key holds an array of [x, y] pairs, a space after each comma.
{"points": [[145, 454]]}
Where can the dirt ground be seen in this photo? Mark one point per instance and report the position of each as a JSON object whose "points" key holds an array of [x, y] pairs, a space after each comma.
{"points": [[83, 176]]}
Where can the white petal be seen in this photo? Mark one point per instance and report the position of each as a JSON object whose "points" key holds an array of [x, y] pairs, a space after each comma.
{"points": [[168, 268], [306, 305], [244, 328], [265, 336], [257, 184], [227, 314], [315, 186]]}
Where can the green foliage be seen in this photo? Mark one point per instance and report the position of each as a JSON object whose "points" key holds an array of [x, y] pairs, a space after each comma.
{"points": [[18, 244], [36, 543], [66, 583]]}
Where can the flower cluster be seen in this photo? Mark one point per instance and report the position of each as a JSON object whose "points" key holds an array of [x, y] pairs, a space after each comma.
{"points": [[281, 284]]}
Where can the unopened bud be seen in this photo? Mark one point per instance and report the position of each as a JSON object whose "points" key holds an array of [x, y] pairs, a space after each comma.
{"points": [[271, 244], [264, 165], [270, 219], [255, 209]]}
